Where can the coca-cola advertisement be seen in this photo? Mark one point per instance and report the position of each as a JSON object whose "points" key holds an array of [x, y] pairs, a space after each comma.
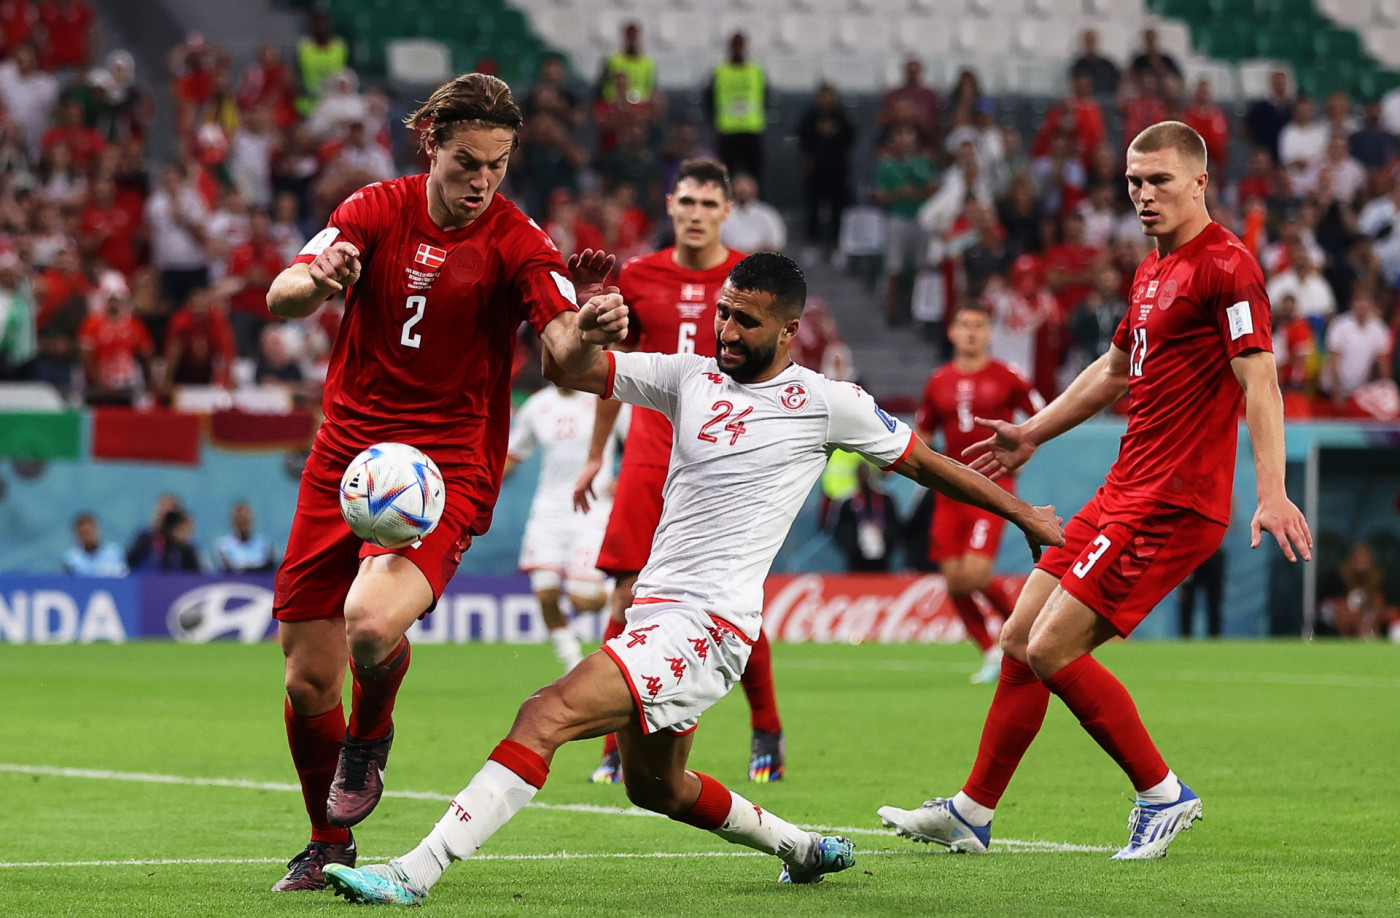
{"points": [[854, 608]]}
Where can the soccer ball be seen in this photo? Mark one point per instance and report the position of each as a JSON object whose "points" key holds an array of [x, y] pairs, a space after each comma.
{"points": [[392, 495]]}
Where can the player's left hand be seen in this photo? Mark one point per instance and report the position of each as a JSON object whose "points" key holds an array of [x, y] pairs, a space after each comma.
{"points": [[603, 319], [588, 270], [1280, 518], [1043, 528]]}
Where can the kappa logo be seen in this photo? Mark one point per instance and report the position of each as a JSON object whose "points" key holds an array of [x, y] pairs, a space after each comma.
{"points": [[793, 397], [701, 647], [639, 636], [430, 256], [677, 666], [716, 378], [653, 685]]}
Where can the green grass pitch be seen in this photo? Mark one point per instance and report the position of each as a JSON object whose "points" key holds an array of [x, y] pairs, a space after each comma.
{"points": [[153, 780]]}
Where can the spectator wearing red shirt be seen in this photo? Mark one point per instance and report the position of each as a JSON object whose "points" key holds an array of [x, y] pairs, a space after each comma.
{"points": [[199, 344], [251, 268], [116, 346], [17, 21], [1078, 114], [1140, 100], [1260, 180], [85, 144], [566, 227], [1071, 266], [267, 83], [1211, 123], [107, 231], [59, 283], [1295, 347], [911, 103], [69, 27]]}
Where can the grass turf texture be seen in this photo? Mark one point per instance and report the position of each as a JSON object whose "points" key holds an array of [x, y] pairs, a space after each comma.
{"points": [[1291, 746]]}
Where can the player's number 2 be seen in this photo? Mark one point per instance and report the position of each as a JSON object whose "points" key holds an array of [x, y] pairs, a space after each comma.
{"points": [[410, 338]]}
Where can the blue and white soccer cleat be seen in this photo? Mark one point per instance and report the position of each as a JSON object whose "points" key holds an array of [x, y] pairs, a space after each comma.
{"points": [[990, 673], [1152, 827], [377, 884], [833, 854], [938, 822]]}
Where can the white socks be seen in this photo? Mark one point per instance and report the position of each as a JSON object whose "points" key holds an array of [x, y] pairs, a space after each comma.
{"points": [[972, 812], [494, 796], [566, 647], [754, 827], [1167, 791]]}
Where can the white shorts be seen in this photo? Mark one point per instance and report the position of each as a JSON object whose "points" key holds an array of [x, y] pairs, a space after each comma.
{"points": [[678, 661], [905, 242], [567, 543]]}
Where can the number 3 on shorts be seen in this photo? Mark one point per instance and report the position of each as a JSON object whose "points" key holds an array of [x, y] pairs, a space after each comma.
{"points": [[1101, 545]]}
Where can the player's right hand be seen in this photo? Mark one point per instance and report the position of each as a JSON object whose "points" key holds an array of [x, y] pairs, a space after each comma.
{"points": [[1006, 450], [603, 319], [337, 267], [1043, 528], [583, 487]]}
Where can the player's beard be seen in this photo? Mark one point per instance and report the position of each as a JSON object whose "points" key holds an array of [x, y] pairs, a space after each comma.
{"points": [[755, 362]]}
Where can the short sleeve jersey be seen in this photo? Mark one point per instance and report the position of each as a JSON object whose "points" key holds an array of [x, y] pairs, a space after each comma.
{"points": [[1190, 313], [423, 354], [953, 398], [116, 344], [743, 460], [672, 312], [560, 427]]}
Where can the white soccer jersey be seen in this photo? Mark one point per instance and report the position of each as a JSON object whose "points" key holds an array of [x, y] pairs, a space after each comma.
{"points": [[743, 459], [561, 426]]}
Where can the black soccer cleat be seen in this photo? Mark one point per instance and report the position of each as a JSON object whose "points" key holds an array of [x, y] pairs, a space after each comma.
{"points": [[359, 779], [306, 871]]}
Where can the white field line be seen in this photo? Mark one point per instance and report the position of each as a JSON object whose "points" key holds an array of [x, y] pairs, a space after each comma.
{"points": [[1311, 679], [147, 778]]}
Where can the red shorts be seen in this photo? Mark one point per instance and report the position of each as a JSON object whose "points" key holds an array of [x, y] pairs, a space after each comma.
{"points": [[636, 513], [961, 529], [323, 555], [1122, 555]]}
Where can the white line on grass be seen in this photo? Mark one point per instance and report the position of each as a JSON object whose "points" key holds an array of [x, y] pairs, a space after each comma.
{"points": [[148, 778], [1322, 679]]}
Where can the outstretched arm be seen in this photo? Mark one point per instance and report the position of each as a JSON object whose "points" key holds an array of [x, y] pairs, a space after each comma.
{"points": [[573, 343], [301, 289], [1099, 385], [1263, 415], [948, 476]]}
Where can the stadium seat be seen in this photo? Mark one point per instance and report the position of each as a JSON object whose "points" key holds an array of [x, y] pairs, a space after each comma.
{"points": [[808, 33], [1123, 10], [1226, 39], [793, 72], [862, 232], [852, 72], [562, 26], [1050, 42], [678, 30], [1336, 45], [871, 35], [1383, 44], [1386, 12], [1172, 37], [983, 38], [1055, 11], [923, 37], [1254, 77], [1284, 41], [418, 60], [1373, 84], [1224, 84], [30, 396], [942, 8]]}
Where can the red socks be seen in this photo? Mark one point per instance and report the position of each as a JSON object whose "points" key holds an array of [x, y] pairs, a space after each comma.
{"points": [[1018, 710], [524, 761], [1107, 712], [315, 746], [711, 808], [375, 688], [758, 687], [973, 623]]}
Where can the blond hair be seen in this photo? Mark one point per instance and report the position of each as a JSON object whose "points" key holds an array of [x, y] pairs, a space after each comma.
{"points": [[1172, 135]]}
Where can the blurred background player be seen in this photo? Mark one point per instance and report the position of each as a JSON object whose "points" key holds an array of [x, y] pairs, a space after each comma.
{"points": [[671, 295], [964, 540], [560, 547], [1194, 345], [440, 272]]}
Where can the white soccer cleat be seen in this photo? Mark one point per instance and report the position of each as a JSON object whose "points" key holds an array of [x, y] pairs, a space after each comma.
{"points": [[990, 672], [936, 821], [1152, 827]]}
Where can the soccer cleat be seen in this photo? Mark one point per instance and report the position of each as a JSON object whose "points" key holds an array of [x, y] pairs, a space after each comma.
{"points": [[609, 771], [1152, 827], [377, 884], [936, 821], [306, 870], [991, 668], [359, 779], [831, 854], [767, 757]]}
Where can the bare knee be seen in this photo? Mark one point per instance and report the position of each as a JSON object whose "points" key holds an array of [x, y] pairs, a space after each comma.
{"points": [[369, 635], [312, 690], [545, 721]]}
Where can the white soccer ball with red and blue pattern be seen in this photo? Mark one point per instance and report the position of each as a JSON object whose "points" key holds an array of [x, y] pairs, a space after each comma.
{"points": [[392, 495]]}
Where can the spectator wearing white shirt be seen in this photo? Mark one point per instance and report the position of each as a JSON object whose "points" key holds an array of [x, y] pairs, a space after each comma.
{"points": [[243, 550], [1378, 219], [250, 157], [1276, 255], [1359, 348], [1303, 141], [753, 225], [1334, 177], [1305, 283], [176, 215], [90, 556], [28, 94]]}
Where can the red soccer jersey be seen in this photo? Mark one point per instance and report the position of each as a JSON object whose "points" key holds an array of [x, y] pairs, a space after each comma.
{"points": [[116, 343], [111, 235], [203, 339], [424, 351], [673, 312], [953, 398], [259, 264], [1190, 313]]}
